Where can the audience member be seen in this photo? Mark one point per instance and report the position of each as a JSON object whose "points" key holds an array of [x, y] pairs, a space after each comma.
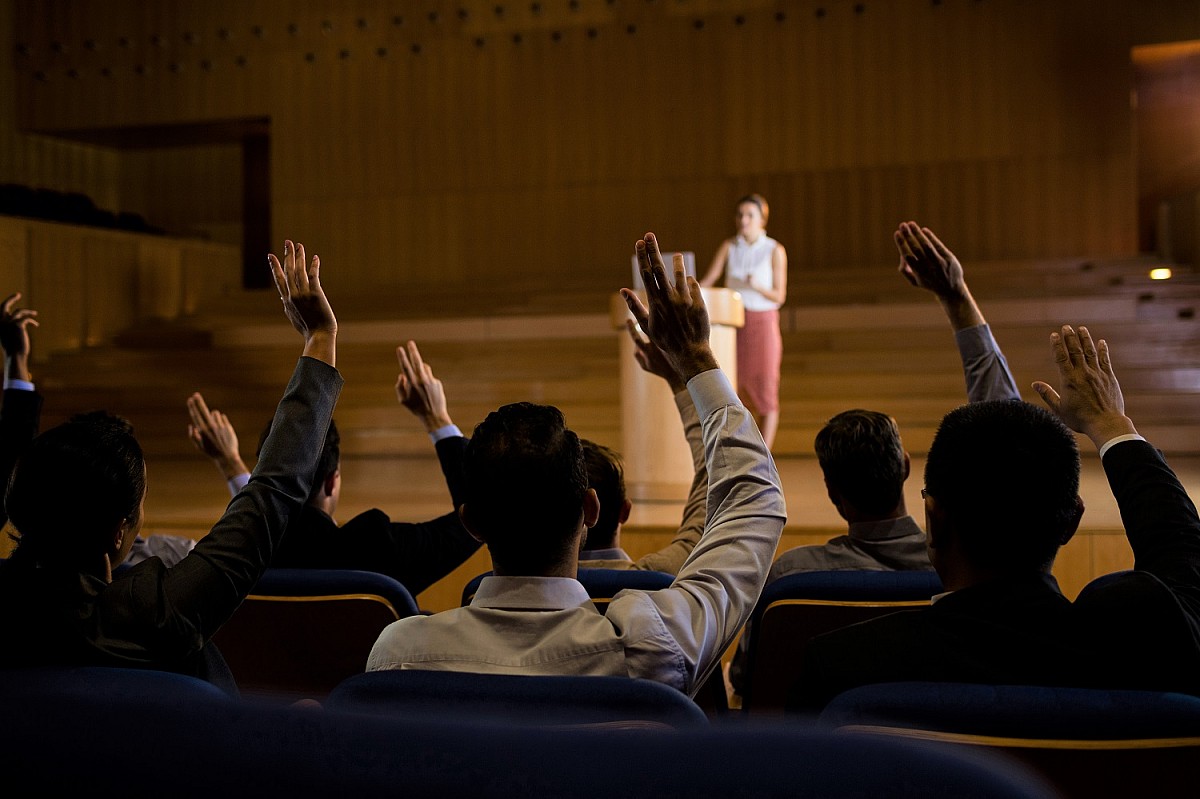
{"points": [[417, 554], [528, 501], [860, 452], [22, 406], [20, 417], [606, 475], [1001, 498], [67, 608]]}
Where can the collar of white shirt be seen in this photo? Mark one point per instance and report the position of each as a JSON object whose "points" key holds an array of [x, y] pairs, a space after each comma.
{"points": [[530, 593]]}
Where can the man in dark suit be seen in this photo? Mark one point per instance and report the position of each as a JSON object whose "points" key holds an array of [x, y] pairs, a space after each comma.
{"points": [[65, 607], [418, 554], [1001, 497]]}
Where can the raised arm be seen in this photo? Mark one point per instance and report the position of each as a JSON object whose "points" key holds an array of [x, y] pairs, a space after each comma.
{"points": [[717, 586], [209, 584], [671, 557], [1159, 517], [22, 407], [928, 264], [213, 434], [424, 395]]}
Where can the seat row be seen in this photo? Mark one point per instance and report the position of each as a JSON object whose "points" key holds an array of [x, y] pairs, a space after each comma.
{"points": [[458, 734]]}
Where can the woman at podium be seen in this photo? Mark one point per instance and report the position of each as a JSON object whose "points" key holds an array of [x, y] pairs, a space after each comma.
{"points": [[755, 265]]}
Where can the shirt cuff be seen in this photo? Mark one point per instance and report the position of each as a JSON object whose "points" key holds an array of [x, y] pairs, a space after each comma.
{"points": [[1117, 440], [19, 385], [449, 431], [238, 482], [711, 391]]}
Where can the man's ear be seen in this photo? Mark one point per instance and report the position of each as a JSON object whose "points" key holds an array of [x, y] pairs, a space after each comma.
{"points": [[591, 508], [907, 465], [1073, 524], [330, 482], [464, 516], [937, 525], [626, 509], [835, 497]]}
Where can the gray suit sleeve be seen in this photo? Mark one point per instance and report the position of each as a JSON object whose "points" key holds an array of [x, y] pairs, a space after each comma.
{"points": [[984, 366]]}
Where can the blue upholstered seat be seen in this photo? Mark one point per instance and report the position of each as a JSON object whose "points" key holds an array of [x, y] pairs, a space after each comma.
{"points": [[302, 631], [796, 608]]}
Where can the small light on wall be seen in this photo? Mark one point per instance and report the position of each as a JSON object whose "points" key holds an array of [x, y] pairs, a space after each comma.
{"points": [[1161, 273]]}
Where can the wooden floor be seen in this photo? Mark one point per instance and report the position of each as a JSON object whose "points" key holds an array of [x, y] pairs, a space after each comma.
{"points": [[861, 338]]}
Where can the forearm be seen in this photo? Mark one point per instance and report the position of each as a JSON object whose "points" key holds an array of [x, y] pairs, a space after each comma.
{"points": [[1159, 517], [214, 578], [450, 452], [985, 368], [961, 310], [230, 466], [19, 418], [718, 584], [16, 367], [322, 346]]}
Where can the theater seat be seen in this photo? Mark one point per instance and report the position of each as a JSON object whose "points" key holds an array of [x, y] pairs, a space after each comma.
{"points": [[1087, 742], [101, 746], [615, 702], [302, 631], [798, 607]]}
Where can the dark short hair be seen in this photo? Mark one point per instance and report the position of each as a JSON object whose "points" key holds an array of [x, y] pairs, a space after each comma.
{"points": [[74, 485], [862, 457], [605, 474], [1008, 472], [328, 462], [525, 483]]}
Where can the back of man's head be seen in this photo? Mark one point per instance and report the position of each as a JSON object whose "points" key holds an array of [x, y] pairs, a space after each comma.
{"points": [[862, 457], [329, 461], [1007, 474], [525, 484], [74, 486], [606, 475]]}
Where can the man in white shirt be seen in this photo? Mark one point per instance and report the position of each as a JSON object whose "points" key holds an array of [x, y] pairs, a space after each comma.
{"points": [[528, 501]]}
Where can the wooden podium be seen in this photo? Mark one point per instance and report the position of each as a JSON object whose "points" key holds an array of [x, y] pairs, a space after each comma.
{"points": [[658, 463]]}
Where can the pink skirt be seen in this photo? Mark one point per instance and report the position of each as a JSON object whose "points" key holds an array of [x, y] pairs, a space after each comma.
{"points": [[759, 358]]}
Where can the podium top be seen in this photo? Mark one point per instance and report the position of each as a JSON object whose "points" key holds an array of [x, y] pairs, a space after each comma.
{"points": [[724, 308]]}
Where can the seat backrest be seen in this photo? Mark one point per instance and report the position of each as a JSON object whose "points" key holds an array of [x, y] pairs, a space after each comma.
{"points": [[517, 699], [95, 747], [302, 631], [601, 584], [799, 607], [1086, 741], [119, 685]]}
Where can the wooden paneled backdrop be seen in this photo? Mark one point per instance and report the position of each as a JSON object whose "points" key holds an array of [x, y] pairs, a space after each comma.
{"points": [[460, 144], [446, 156]]}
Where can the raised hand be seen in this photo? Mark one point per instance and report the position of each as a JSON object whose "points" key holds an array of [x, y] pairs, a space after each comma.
{"points": [[676, 319], [1090, 401], [418, 389], [304, 301], [652, 359], [14, 336], [928, 264], [212, 433]]}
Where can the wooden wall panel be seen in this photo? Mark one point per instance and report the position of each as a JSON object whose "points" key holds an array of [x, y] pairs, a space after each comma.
{"points": [[438, 143], [42, 161], [57, 287]]}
